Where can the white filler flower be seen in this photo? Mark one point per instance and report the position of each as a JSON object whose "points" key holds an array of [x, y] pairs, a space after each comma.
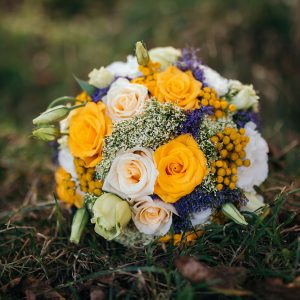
{"points": [[132, 174], [214, 80], [125, 69], [257, 151]]}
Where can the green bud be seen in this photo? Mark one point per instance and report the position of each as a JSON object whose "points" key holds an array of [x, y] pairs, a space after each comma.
{"points": [[46, 133], [141, 53], [52, 115], [231, 212], [79, 222]]}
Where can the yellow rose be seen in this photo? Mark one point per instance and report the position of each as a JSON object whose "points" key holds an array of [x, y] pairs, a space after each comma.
{"points": [[181, 167], [88, 127], [178, 87]]}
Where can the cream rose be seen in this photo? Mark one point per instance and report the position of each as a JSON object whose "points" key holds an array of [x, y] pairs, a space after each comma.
{"points": [[124, 100], [152, 216], [132, 174], [166, 56], [100, 78]]}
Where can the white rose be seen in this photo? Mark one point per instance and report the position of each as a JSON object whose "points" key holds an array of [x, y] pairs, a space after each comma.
{"points": [[254, 203], [201, 217], [125, 69], [243, 96], [132, 174], [124, 100], [152, 216], [214, 80], [66, 160], [257, 151], [100, 78], [166, 56]]}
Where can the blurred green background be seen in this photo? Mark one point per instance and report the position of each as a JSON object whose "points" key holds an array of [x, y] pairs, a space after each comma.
{"points": [[44, 42]]}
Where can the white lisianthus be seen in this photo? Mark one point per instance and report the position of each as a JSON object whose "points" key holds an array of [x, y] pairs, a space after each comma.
{"points": [[255, 201], [166, 56], [201, 216], [257, 152], [152, 216], [66, 160], [243, 96], [214, 80], [100, 78], [110, 215], [132, 174], [130, 68], [124, 100]]}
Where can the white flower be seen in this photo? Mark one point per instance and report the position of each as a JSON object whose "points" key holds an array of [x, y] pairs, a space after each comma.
{"points": [[201, 217], [64, 128], [124, 100], [132, 174], [66, 160], [166, 56], [152, 216], [100, 78], [255, 201], [257, 151], [125, 69], [243, 96], [214, 80]]}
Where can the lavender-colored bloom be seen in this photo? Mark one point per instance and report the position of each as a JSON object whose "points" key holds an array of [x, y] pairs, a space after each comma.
{"points": [[99, 94], [194, 119], [190, 61], [243, 117], [199, 200]]}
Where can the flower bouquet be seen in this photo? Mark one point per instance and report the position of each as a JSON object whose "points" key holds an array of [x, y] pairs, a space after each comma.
{"points": [[156, 147]]}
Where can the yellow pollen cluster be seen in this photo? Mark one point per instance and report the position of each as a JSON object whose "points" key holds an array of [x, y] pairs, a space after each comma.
{"points": [[230, 144], [221, 106], [188, 238], [83, 97], [86, 178], [149, 78], [66, 188]]}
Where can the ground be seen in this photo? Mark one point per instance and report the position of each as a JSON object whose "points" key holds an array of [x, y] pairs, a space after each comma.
{"points": [[260, 261]]}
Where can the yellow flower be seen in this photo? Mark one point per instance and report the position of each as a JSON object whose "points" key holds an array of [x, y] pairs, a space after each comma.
{"points": [[178, 87], [83, 97], [181, 167], [66, 189], [88, 127]]}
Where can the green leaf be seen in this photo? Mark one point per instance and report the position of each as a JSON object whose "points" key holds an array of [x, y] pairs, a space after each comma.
{"points": [[85, 86]]}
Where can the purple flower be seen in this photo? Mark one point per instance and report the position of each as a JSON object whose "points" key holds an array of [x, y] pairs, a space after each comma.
{"points": [[190, 61], [199, 200], [243, 117], [99, 94], [194, 118]]}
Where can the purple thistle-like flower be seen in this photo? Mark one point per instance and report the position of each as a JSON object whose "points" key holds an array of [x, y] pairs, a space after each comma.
{"points": [[243, 117], [199, 200], [194, 118], [190, 61]]}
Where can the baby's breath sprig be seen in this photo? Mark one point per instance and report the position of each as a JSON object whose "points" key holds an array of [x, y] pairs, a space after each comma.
{"points": [[156, 125]]}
